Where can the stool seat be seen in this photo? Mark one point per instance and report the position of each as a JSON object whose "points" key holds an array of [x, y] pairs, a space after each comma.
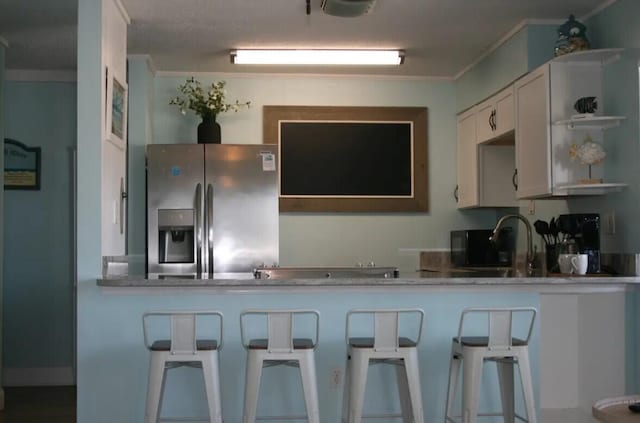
{"points": [[483, 341], [364, 342], [469, 353], [384, 347], [279, 348], [201, 345], [298, 344]]}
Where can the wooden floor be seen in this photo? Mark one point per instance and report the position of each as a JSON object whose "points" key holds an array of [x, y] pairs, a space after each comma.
{"points": [[47, 404]]}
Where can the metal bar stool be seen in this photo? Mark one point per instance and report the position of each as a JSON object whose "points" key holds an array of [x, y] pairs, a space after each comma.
{"points": [[280, 348], [182, 349], [386, 346], [500, 347]]}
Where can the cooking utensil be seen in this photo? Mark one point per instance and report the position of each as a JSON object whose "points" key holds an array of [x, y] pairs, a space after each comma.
{"points": [[542, 229], [554, 229]]}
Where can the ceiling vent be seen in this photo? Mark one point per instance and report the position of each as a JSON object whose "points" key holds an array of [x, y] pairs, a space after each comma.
{"points": [[347, 8]]}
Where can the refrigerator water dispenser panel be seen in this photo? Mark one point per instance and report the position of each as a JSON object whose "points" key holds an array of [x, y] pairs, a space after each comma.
{"points": [[176, 230]]}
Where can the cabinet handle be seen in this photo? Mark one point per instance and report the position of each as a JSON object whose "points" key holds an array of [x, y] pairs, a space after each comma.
{"points": [[455, 193], [493, 120], [514, 179]]}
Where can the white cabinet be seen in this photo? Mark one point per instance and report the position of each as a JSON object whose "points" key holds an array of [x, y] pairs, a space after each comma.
{"points": [[467, 170], [484, 168], [547, 126], [495, 116]]}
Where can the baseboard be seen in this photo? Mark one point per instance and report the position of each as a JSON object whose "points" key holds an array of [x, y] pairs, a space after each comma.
{"points": [[37, 376]]}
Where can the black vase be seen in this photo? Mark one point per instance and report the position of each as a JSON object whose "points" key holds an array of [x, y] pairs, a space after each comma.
{"points": [[209, 131]]}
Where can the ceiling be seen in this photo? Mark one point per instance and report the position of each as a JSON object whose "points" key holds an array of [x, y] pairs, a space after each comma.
{"points": [[440, 37]]}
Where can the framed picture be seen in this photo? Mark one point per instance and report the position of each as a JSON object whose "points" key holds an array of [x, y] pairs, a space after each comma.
{"points": [[21, 166], [116, 118]]}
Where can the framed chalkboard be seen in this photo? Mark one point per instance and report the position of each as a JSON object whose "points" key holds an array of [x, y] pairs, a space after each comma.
{"points": [[350, 159]]}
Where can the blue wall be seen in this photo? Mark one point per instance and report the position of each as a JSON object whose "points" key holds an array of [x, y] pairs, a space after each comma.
{"points": [[2, 61], [38, 282]]}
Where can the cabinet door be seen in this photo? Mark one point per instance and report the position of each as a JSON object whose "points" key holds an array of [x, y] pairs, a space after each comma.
{"points": [[467, 173], [533, 142], [485, 115], [504, 115]]}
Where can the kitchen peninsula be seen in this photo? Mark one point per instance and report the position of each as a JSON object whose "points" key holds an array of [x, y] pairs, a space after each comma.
{"points": [[119, 302]]}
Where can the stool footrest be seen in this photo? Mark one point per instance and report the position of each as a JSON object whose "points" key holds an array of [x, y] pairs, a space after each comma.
{"points": [[291, 417]]}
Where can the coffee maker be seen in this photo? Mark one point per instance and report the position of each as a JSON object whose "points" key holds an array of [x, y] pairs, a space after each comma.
{"points": [[584, 230]]}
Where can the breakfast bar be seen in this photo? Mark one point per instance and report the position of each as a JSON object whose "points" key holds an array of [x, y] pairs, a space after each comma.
{"points": [[111, 347]]}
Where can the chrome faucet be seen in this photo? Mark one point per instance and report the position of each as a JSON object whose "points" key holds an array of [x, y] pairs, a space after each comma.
{"points": [[530, 253]]}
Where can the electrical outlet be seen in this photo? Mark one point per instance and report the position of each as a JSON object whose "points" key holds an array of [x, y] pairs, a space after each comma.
{"points": [[532, 207], [610, 223], [336, 378]]}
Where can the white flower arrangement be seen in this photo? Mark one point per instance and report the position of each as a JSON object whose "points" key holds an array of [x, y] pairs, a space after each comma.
{"points": [[589, 152], [207, 103]]}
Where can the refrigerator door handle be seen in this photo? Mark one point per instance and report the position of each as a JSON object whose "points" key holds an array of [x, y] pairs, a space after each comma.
{"points": [[198, 228], [210, 227]]}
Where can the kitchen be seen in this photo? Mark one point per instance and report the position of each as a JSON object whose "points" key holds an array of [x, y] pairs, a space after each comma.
{"points": [[360, 243]]}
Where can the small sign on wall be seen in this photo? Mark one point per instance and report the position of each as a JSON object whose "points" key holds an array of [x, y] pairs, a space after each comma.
{"points": [[21, 166]]}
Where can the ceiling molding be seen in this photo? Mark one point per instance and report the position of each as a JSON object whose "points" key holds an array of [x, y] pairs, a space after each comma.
{"points": [[37, 75], [598, 9], [4, 42], [493, 48], [304, 75], [147, 58], [123, 11]]}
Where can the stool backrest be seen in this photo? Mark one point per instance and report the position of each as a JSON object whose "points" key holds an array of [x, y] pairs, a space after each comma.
{"points": [[182, 329], [386, 326], [500, 324], [279, 327]]}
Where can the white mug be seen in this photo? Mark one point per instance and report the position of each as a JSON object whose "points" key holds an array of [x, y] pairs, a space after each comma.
{"points": [[564, 261], [579, 264]]}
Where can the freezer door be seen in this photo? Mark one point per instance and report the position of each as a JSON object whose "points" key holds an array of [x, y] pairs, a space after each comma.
{"points": [[242, 206], [175, 205]]}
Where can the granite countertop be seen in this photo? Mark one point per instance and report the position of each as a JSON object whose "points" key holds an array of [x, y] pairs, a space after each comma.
{"points": [[412, 279]]}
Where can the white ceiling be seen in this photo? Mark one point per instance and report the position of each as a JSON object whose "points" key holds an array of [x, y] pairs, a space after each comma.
{"points": [[440, 37]]}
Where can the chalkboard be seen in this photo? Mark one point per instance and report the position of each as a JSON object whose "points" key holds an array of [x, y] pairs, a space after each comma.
{"points": [[350, 159], [361, 159]]}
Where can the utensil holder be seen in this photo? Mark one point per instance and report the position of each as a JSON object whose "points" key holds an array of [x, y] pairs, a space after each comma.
{"points": [[551, 258]]}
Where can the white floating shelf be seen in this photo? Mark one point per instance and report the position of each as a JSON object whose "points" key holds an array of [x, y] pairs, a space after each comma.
{"points": [[588, 189], [592, 122], [603, 56]]}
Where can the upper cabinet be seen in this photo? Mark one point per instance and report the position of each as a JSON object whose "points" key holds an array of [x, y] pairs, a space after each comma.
{"points": [[495, 116], [486, 156], [549, 131]]}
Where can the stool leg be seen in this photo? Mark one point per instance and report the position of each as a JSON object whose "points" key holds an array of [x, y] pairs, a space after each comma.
{"points": [[310, 386], [155, 387], [403, 392], [505, 377], [212, 385], [345, 389], [252, 385], [527, 384], [471, 378], [413, 379], [454, 373], [357, 384]]}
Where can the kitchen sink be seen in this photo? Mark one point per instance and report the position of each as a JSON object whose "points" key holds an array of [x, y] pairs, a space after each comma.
{"points": [[354, 272]]}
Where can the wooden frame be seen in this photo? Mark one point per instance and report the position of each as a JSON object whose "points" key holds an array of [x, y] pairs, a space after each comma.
{"points": [[417, 116], [116, 111]]}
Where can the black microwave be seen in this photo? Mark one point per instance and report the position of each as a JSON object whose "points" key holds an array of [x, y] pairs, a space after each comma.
{"points": [[472, 248]]}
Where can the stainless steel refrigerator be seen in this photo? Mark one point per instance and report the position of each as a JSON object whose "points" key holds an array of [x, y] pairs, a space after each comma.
{"points": [[211, 208]]}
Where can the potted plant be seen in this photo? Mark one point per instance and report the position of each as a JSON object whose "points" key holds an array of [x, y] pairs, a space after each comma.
{"points": [[206, 102]]}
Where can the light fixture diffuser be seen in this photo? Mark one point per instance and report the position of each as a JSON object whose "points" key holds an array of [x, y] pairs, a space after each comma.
{"points": [[317, 57]]}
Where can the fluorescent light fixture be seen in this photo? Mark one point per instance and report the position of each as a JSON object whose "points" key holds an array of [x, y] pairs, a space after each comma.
{"points": [[317, 57]]}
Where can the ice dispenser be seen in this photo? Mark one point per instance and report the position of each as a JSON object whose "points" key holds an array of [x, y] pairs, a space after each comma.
{"points": [[176, 235]]}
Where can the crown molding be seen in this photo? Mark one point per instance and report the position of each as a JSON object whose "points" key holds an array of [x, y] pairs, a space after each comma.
{"points": [[37, 75], [147, 58], [598, 9], [4, 42], [123, 11]]}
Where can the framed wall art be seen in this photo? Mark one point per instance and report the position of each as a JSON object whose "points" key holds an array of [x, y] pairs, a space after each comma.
{"points": [[116, 111], [21, 166]]}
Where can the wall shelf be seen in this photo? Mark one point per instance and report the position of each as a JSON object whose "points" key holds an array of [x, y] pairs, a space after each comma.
{"points": [[588, 189], [602, 56], [591, 122]]}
